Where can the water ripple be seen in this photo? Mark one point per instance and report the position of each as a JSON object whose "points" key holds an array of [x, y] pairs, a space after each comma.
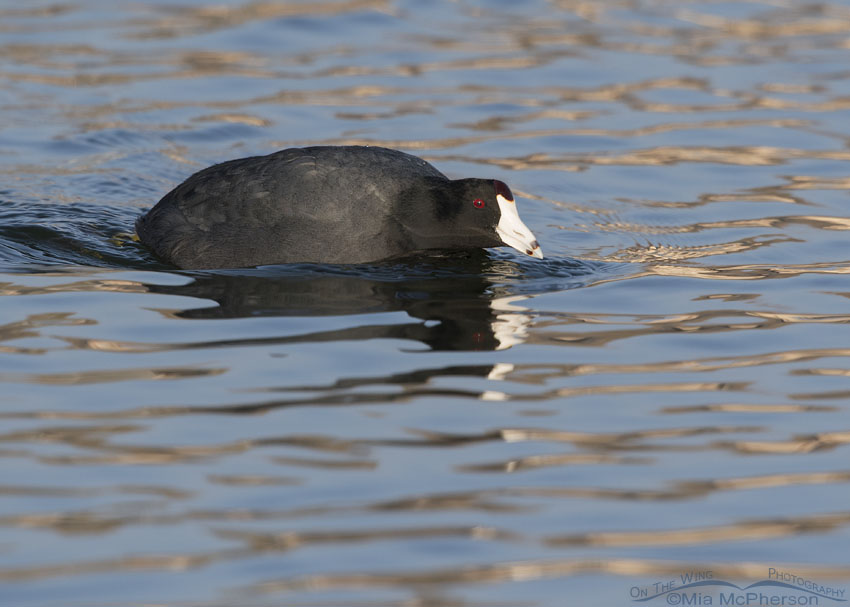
{"points": [[665, 392]]}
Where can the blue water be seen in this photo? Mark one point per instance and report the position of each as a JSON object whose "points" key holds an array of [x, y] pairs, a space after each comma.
{"points": [[666, 392]]}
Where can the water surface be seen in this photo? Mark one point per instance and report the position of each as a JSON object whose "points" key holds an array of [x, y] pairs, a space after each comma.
{"points": [[666, 392]]}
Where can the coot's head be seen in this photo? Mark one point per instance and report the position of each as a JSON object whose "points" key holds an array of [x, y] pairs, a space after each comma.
{"points": [[484, 213]]}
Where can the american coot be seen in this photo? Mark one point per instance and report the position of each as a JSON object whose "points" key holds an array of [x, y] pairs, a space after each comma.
{"points": [[328, 204]]}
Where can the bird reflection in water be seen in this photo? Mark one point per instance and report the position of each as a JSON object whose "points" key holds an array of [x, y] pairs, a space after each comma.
{"points": [[460, 302]]}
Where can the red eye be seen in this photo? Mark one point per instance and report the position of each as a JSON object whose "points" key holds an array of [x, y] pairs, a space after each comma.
{"points": [[478, 203]]}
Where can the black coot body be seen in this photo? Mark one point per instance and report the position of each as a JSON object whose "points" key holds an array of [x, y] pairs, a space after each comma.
{"points": [[327, 204]]}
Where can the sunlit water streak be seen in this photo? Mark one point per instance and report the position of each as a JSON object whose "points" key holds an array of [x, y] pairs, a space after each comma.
{"points": [[665, 392]]}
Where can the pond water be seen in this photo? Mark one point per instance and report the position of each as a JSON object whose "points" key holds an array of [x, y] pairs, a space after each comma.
{"points": [[666, 392]]}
